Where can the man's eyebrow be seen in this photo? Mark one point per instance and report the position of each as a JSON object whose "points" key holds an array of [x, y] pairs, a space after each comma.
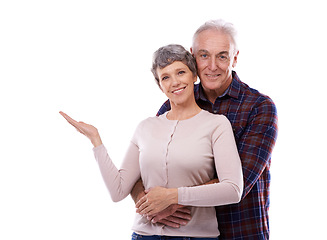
{"points": [[223, 52], [203, 51]]}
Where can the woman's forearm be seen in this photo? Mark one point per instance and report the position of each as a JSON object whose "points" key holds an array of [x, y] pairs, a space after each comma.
{"points": [[119, 182]]}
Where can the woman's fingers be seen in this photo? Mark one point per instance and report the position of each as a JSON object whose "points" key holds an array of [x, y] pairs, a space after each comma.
{"points": [[73, 122], [140, 204], [86, 129], [69, 119], [154, 201], [143, 206]]}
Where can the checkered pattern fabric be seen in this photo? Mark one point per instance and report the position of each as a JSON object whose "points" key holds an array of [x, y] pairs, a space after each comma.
{"points": [[254, 120]]}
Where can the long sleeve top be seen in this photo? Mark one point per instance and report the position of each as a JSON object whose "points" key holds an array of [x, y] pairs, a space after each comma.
{"points": [[179, 154]]}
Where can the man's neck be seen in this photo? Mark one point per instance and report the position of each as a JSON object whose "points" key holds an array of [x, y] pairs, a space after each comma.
{"points": [[212, 95]]}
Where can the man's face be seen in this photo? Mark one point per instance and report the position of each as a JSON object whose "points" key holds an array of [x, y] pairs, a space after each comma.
{"points": [[215, 58]]}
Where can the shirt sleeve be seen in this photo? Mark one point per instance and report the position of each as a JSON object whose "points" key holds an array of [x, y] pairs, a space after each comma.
{"points": [[257, 142], [119, 182], [229, 171], [164, 108]]}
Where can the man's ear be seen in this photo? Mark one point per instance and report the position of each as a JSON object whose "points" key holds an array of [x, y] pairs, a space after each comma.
{"points": [[195, 79], [235, 59], [191, 50]]}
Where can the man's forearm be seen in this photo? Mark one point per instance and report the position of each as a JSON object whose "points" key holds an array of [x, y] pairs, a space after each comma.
{"points": [[138, 191], [216, 180]]}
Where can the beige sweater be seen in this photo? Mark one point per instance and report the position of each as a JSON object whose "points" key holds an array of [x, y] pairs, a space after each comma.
{"points": [[180, 154]]}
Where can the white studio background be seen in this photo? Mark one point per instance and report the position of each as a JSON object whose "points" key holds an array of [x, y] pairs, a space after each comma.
{"points": [[92, 60]]}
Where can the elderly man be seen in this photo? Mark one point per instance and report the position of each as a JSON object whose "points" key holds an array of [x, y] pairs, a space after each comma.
{"points": [[254, 120]]}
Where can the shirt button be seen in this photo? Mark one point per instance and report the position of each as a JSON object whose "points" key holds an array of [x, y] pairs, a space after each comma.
{"points": [[215, 111]]}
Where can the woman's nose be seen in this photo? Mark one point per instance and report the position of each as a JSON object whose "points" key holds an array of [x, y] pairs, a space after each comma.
{"points": [[175, 81]]}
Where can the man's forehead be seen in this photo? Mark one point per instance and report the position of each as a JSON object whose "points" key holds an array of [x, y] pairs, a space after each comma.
{"points": [[210, 39], [214, 51], [213, 46]]}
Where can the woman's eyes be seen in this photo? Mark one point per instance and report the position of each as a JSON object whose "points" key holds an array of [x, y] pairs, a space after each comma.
{"points": [[181, 72]]}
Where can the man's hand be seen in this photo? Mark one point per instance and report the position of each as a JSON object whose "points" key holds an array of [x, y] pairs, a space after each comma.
{"points": [[173, 216]]}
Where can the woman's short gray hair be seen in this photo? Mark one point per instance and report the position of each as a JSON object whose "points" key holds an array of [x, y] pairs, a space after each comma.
{"points": [[220, 25], [166, 55]]}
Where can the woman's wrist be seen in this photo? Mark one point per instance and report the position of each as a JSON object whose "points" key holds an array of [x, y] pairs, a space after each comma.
{"points": [[96, 142], [173, 196]]}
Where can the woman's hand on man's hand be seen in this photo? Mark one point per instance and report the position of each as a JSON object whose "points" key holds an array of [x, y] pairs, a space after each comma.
{"points": [[156, 199]]}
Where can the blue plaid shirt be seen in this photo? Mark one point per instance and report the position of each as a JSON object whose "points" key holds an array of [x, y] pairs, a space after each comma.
{"points": [[254, 120]]}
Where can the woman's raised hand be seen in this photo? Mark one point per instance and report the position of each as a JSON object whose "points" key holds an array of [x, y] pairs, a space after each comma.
{"points": [[86, 129]]}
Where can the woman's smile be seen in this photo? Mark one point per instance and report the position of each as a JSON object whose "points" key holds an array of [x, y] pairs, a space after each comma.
{"points": [[179, 90]]}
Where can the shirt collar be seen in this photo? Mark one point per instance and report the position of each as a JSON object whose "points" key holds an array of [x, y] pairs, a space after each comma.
{"points": [[233, 90]]}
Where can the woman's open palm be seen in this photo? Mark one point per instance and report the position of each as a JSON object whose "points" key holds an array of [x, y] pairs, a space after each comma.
{"points": [[86, 129]]}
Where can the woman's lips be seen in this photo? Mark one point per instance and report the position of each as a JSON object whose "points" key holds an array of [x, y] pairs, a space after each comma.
{"points": [[179, 90]]}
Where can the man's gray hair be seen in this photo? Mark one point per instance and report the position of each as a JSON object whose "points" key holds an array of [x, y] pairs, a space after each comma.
{"points": [[166, 55], [220, 25]]}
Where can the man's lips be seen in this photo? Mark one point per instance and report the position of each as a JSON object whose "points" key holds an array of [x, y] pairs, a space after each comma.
{"points": [[212, 75]]}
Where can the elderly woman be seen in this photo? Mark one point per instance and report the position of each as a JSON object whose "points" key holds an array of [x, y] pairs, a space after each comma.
{"points": [[173, 154]]}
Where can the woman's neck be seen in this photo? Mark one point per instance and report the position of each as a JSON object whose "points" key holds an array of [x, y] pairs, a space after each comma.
{"points": [[183, 112]]}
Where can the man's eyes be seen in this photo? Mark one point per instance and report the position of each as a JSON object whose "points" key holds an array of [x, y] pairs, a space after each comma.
{"points": [[223, 57]]}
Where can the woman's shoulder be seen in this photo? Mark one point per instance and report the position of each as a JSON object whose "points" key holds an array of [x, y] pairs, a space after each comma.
{"points": [[215, 121], [145, 127], [149, 121], [215, 117]]}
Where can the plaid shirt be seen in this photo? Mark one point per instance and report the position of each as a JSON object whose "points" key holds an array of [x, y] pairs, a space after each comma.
{"points": [[254, 120]]}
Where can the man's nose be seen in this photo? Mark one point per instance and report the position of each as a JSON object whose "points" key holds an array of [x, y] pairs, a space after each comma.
{"points": [[213, 64]]}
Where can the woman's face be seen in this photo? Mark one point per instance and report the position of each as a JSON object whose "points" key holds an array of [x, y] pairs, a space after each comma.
{"points": [[177, 82]]}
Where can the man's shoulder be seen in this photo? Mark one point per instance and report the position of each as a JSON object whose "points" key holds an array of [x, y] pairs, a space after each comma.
{"points": [[250, 95], [164, 108]]}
